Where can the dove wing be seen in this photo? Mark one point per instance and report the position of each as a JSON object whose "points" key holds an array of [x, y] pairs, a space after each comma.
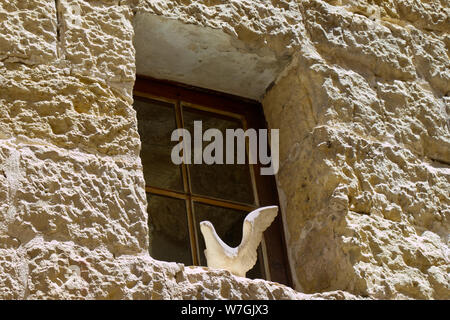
{"points": [[255, 224]]}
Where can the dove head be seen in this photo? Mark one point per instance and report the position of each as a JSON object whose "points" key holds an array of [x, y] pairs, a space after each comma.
{"points": [[206, 226], [208, 231]]}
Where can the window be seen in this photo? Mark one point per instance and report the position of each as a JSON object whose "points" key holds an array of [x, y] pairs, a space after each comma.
{"points": [[181, 196]]}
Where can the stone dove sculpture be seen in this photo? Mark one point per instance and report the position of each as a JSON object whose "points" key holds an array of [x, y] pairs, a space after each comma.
{"points": [[241, 259]]}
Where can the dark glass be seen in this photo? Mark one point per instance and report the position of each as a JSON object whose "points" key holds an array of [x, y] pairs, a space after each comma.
{"points": [[228, 224], [222, 181], [169, 233], [156, 122]]}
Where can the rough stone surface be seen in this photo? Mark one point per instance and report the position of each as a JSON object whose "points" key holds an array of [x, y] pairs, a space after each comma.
{"points": [[365, 178], [364, 147]]}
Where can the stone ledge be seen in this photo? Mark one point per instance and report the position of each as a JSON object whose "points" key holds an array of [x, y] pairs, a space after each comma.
{"points": [[43, 269]]}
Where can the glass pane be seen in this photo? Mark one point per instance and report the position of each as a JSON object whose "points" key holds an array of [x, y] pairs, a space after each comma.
{"points": [[156, 121], [169, 233], [228, 225], [223, 181]]}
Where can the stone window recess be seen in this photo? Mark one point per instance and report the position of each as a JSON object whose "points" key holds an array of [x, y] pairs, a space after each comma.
{"points": [[180, 196]]}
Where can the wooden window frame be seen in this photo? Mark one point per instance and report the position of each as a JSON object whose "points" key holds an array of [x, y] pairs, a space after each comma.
{"points": [[250, 112]]}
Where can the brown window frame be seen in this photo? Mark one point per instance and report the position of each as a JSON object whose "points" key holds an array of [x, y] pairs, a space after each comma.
{"points": [[250, 112]]}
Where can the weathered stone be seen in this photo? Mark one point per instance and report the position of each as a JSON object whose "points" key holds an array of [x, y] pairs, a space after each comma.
{"points": [[362, 106], [364, 145], [29, 31]]}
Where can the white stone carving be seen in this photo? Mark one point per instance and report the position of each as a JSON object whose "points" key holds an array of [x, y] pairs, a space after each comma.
{"points": [[241, 259]]}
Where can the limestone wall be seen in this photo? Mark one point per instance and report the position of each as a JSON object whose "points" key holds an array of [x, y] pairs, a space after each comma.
{"points": [[363, 111], [365, 149]]}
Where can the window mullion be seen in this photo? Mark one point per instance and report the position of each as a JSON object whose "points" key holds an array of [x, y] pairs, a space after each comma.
{"points": [[187, 190]]}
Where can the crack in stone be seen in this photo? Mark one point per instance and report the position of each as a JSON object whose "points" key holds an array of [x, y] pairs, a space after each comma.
{"points": [[59, 42], [443, 162]]}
